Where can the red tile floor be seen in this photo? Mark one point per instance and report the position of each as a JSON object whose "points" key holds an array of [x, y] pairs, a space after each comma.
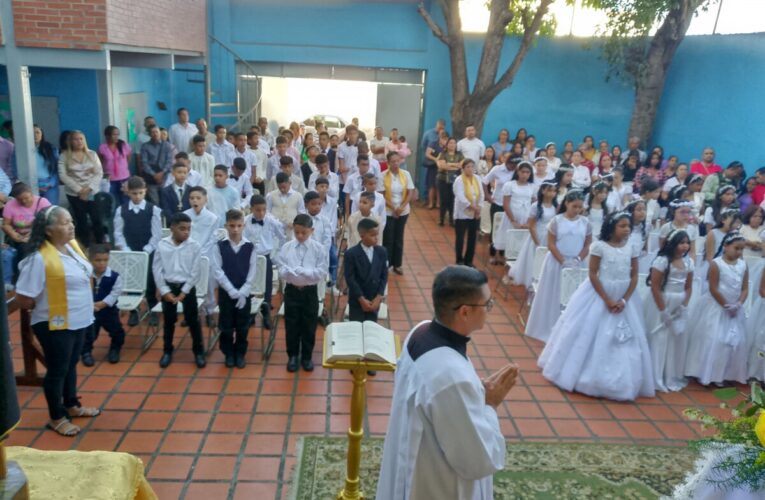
{"points": [[229, 433]]}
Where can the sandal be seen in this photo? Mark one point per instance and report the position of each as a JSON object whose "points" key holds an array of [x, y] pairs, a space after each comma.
{"points": [[64, 428], [83, 411]]}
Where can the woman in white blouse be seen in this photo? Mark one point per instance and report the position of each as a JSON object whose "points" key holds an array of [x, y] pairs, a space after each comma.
{"points": [[468, 199], [80, 172], [54, 282], [399, 191]]}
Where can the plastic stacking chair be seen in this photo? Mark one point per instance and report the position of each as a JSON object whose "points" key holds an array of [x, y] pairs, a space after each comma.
{"points": [[165, 232], [201, 289], [539, 258], [134, 269], [514, 239], [570, 279], [496, 235]]}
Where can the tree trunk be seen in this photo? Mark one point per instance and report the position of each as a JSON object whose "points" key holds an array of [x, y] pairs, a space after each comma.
{"points": [[649, 86], [466, 113]]}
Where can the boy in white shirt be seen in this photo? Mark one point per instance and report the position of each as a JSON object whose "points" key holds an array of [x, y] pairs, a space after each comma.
{"points": [[193, 178], [285, 203], [222, 197], [370, 186], [259, 161], [355, 183], [204, 225], [329, 210], [220, 148], [240, 181], [365, 203], [322, 228], [322, 164], [177, 270], [582, 177], [202, 162], [287, 165]]}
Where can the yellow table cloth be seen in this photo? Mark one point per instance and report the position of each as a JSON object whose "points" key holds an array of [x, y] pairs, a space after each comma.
{"points": [[77, 475]]}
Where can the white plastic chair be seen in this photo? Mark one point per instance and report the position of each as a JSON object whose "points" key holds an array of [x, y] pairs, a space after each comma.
{"points": [[220, 233], [201, 289], [134, 269], [570, 279], [486, 217], [539, 259], [165, 232], [514, 239]]}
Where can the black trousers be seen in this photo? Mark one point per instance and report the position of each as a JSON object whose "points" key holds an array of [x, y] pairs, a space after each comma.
{"points": [[494, 209], [393, 239], [108, 319], [356, 313], [446, 195], [462, 226], [233, 320], [151, 287], [190, 314], [301, 315], [81, 210], [269, 290], [61, 349]]}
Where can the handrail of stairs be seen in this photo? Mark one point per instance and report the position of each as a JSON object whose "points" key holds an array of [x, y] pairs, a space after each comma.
{"points": [[241, 118]]}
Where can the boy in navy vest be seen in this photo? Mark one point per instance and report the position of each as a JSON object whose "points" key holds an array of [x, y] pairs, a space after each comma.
{"points": [[138, 228], [234, 263], [107, 286]]}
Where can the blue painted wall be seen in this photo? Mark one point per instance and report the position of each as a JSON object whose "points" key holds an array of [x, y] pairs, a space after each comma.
{"points": [[712, 95], [77, 93]]}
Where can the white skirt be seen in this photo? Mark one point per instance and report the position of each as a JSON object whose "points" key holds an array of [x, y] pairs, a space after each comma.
{"points": [[755, 328], [521, 213], [717, 345], [667, 349], [545, 309], [596, 352], [522, 271]]}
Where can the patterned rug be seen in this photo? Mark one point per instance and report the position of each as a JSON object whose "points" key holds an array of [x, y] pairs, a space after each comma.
{"points": [[532, 470]]}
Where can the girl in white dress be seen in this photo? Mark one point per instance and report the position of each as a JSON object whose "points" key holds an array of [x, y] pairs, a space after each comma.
{"points": [[597, 208], [666, 313], [725, 198], [568, 239], [598, 346], [755, 328], [542, 172], [517, 196], [718, 347], [620, 194], [542, 213], [695, 183], [563, 178], [639, 235], [679, 216], [752, 231]]}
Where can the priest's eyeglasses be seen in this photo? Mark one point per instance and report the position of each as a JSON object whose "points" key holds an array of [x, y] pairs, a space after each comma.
{"points": [[488, 305]]}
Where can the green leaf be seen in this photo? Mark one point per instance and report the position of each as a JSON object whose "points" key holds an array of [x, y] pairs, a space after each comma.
{"points": [[758, 395], [726, 394], [751, 411]]}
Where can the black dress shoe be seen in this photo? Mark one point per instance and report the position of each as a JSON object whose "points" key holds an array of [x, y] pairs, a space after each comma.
{"points": [[153, 319], [240, 363], [200, 360], [229, 360], [307, 365], [165, 360], [114, 355], [292, 364], [266, 313], [87, 359], [133, 318]]}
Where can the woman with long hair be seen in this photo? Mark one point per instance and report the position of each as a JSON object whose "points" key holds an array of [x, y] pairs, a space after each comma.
{"points": [[46, 160], [18, 215], [114, 154], [54, 282], [80, 171], [449, 165]]}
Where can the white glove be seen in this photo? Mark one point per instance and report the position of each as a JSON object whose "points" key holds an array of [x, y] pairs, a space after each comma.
{"points": [[241, 302], [666, 318], [569, 263], [234, 295], [732, 309]]}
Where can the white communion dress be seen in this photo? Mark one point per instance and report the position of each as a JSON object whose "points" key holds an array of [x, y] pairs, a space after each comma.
{"points": [[596, 352], [718, 347], [669, 344], [755, 327], [520, 206], [570, 236], [522, 271]]}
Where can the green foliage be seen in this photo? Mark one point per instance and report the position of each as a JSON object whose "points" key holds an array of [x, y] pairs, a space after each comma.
{"points": [[524, 11]]}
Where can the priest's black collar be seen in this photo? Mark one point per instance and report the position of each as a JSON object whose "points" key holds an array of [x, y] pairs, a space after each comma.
{"points": [[433, 335]]}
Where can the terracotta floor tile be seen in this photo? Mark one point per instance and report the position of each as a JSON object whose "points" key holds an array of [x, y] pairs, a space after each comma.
{"points": [[306, 423], [170, 467], [641, 430], [626, 411], [206, 386], [677, 430], [569, 428], [97, 440], [222, 444], [21, 438], [167, 402], [126, 401], [151, 421], [172, 385], [140, 442], [519, 409], [199, 402], [269, 423], [231, 422], [558, 410], [590, 411], [192, 422], [207, 491], [137, 384], [181, 442], [237, 404], [250, 491], [606, 428], [547, 393], [242, 386], [259, 469], [533, 427], [265, 444], [214, 467], [166, 489]]}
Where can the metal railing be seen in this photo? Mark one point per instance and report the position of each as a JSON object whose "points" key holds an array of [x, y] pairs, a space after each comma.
{"points": [[220, 55]]}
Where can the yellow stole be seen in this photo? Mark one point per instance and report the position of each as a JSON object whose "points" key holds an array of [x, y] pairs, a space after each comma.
{"points": [[388, 180], [471, 191], [55, 284]]}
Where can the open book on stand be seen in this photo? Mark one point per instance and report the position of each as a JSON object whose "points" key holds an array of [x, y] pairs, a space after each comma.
{"points": [[355, 341]]}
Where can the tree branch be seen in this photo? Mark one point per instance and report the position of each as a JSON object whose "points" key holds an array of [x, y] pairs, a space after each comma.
{"points": [[529, 34], [434, 27], [500, 15]]}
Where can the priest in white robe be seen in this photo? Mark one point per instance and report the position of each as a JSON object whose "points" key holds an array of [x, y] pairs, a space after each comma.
{"points": [[444, 439]]}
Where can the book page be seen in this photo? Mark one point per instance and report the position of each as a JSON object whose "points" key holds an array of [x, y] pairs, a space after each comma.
{"points": [[346, 340], [379, 343]]}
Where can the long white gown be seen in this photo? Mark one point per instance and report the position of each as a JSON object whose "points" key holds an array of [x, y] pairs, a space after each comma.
{"points": [[520, 205], [522, 272], [595, 216], [596, 352], [570, 236], [755, 327], [668, 348], [638, 243], [718, 347], [443, 440]]}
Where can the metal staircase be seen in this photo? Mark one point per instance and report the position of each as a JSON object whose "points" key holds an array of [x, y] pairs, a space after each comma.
{"points": [[228, 102]]}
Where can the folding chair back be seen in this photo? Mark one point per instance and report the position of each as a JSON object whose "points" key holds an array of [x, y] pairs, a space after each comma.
{"points": [[497, 234], [204, 277], [539, 259], [133, 267], [486, 217], [220, 233], [570, 279], [259, 283], [514, 241], [165, 232]]}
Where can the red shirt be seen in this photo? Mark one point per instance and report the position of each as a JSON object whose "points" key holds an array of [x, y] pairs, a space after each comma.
{"points": [[699, 168], [758, 194]]}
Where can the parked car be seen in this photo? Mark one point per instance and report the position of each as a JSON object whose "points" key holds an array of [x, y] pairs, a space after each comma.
{"points": [[333, 123]]}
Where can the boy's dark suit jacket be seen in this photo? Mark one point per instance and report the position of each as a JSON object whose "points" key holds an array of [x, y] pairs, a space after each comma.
{"points": [[168, 200], [365, 278]]}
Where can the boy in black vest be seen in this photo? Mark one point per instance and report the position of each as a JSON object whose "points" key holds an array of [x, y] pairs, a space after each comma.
{"points": [[174, 198], [138, 228], [107, 286], [234, 263]]}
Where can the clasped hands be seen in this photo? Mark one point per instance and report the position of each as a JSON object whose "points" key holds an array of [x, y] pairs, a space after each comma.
{"points": [[498, 384], [370, 305]]}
